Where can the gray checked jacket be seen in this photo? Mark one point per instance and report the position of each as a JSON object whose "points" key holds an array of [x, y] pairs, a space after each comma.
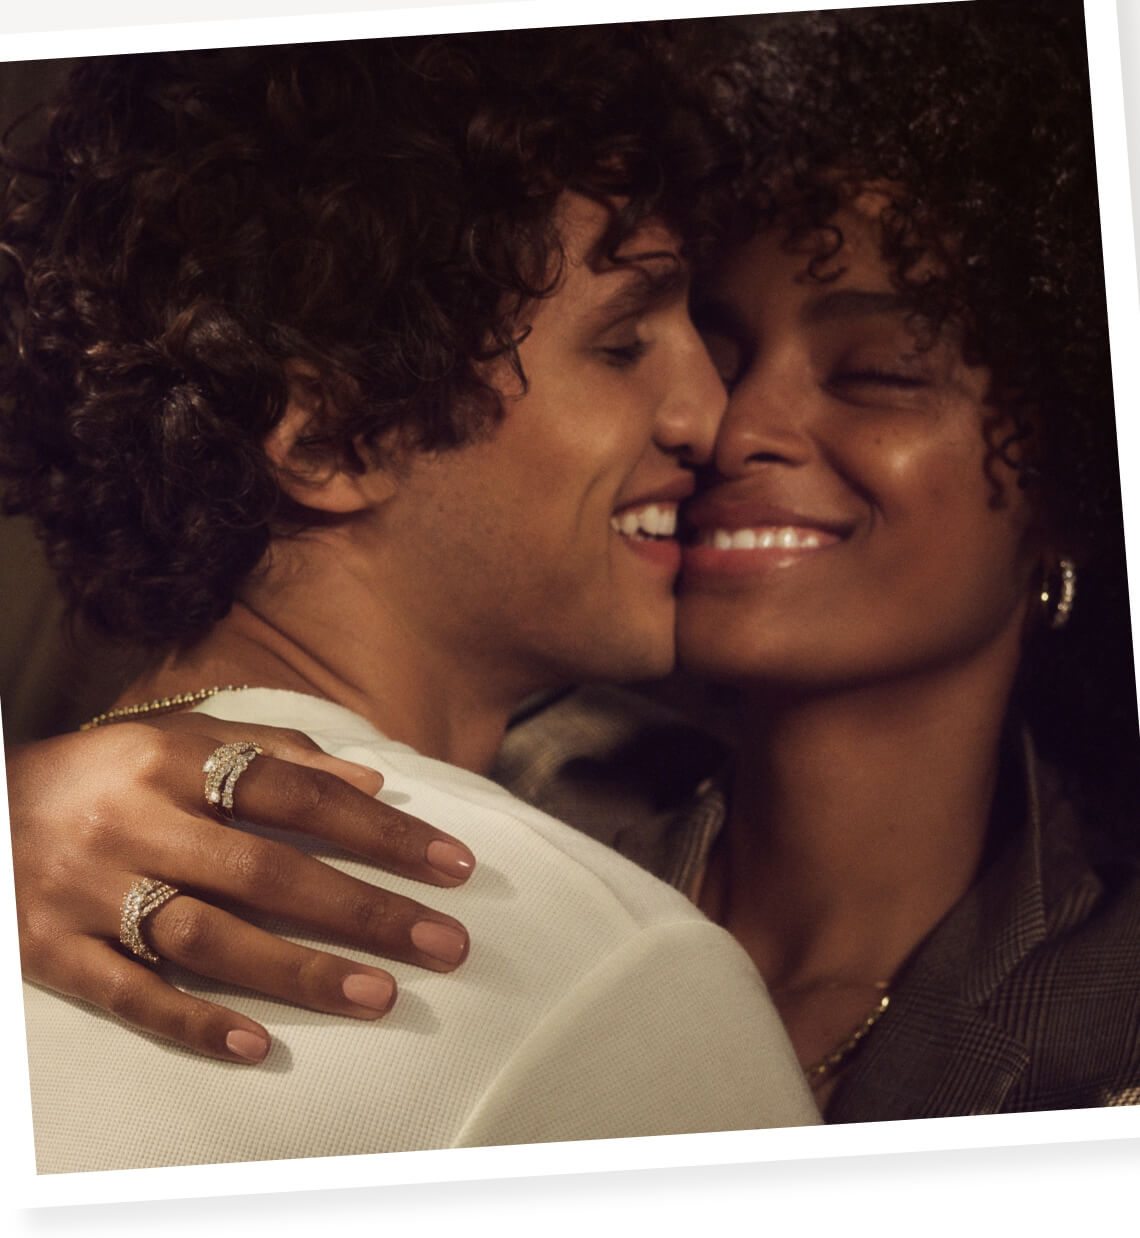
{"points": [[1025, 997]]}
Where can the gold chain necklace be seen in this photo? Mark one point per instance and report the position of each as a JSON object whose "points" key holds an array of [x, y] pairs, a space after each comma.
{"points": [[161, 705], [819, 1072]]}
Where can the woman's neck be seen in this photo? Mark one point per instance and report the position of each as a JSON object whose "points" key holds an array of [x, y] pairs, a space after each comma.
{"points": [[859, 817]]}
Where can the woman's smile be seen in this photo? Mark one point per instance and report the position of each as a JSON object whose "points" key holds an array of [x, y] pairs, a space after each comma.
{"points": [[848, 526]]}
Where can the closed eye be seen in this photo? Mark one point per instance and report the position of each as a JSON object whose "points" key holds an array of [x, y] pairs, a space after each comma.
{"points": [[877, 377], [621, 356]]}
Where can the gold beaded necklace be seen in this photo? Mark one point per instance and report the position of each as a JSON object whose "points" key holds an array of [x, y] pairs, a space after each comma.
{"points": [[819, 1072], [162, 705], [710, 898]]}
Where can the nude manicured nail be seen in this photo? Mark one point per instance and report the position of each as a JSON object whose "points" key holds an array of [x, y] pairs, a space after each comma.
{"points": [[371, 778], [375, 992], [440, 941], [245, 1044], [451, 859]]}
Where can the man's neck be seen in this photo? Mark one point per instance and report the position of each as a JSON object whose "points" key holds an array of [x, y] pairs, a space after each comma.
{"points": [[319, 625]]}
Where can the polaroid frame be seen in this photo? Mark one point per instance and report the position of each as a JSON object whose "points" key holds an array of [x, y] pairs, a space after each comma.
{"points": [[25, 1189]]}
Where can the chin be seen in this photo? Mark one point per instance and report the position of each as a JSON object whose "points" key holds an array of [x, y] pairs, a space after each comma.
{"points": [[745, 661]]}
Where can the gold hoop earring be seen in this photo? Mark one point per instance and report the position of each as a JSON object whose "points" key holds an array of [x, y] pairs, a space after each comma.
{"points": [[1059, 607]]}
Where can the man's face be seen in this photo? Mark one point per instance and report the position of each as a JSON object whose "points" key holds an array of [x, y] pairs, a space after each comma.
{"points": [[545, 553]]}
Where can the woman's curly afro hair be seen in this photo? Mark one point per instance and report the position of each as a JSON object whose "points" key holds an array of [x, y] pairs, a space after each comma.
{"points": [[378, 211], [978, 117]]}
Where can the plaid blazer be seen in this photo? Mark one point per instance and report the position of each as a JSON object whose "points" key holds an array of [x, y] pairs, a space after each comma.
{"points": [[1025, 997]]}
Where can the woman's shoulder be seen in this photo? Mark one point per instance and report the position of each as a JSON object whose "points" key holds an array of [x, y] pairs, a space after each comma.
{"points": [[1074, 999]]}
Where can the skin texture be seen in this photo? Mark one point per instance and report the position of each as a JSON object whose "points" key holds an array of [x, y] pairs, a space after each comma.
{"points": [[503, 552], [93, 853], [876, 669], [454, 584], [841, 419]]}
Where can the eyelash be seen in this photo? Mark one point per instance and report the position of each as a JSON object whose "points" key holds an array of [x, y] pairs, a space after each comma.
{"points": [[882, 378], [622, 356]]}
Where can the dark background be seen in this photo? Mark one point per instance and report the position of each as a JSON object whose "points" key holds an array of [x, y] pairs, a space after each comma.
{"points": [[48, 681]]}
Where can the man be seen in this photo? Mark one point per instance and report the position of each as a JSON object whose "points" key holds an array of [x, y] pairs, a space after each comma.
{"points": [[384, 405]]}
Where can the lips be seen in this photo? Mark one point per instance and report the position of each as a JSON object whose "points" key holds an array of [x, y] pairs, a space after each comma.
{"points": [[731, 538]]}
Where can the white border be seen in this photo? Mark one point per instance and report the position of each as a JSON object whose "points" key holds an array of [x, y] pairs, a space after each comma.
{"points": [[766, 1159], [104, 37]]}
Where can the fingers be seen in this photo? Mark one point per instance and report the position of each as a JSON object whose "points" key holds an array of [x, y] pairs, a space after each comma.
{"points": [[140, 997], [294, 786], [138, 808], [214, 943], [233, 866], [281, 742], [289, 797]]}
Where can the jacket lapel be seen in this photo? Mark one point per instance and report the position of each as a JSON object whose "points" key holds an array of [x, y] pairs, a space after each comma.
{"points": [[940, 1050]]}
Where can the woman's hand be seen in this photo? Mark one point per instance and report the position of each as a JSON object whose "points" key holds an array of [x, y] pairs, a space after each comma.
{"points": [[93, 813]]}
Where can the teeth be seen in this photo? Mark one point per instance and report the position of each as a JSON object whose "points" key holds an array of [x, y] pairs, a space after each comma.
{"points": [[762, 539], [653, 520]]}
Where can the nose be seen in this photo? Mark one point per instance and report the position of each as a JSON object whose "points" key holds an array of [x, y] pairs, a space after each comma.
{"points": [[690, 413], [765, 423]]}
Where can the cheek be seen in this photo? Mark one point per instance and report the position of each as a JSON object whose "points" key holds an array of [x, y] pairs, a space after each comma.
{"points": [[913, 475], [569, 433]]}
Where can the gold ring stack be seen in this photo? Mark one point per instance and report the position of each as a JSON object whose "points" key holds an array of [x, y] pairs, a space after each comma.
{"points": [[224, 766], [140, 900]]}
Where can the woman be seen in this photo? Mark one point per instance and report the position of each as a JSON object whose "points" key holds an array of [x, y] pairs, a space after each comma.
{"points": [[928, 847], [918, 449], [927, 756]]}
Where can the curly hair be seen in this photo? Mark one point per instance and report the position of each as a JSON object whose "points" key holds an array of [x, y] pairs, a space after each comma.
{"points": [[976, 119], [381, 211]]}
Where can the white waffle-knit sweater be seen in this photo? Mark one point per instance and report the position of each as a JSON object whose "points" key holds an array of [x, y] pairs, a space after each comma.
{"points": [[596, 1002]]}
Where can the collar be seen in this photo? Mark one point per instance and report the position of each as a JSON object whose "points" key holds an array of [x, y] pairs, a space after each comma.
{"points": [[627, 771], [642, 780], [943, 1048]]}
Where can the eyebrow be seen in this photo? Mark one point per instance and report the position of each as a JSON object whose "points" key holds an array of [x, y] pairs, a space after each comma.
{"points": [[639, 287]]}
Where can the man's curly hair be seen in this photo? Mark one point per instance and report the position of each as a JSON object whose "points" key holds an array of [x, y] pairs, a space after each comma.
{"points": [[977, 117], [379, 211]]}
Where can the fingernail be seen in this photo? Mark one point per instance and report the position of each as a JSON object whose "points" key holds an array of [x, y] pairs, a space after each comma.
{"points": [[451, 859], [375, 992], [440, 941], [372, 780], [245, 1044]]}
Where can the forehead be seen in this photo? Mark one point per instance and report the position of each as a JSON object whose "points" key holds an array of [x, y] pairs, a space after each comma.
{"points": [[826, 273], [646, 266], [845, 249]]}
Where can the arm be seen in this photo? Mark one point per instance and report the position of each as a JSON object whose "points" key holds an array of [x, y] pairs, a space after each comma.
{"points": [[92, 813]]}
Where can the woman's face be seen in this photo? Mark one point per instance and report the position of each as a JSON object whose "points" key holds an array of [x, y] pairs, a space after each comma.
{"points": [[857, 526]]}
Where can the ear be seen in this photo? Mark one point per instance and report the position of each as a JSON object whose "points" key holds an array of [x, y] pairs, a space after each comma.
{"points": [[319, 480]]}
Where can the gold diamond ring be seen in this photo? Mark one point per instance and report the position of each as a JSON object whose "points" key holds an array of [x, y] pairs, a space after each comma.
{"points": [[224, 766], [144, 896]]}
